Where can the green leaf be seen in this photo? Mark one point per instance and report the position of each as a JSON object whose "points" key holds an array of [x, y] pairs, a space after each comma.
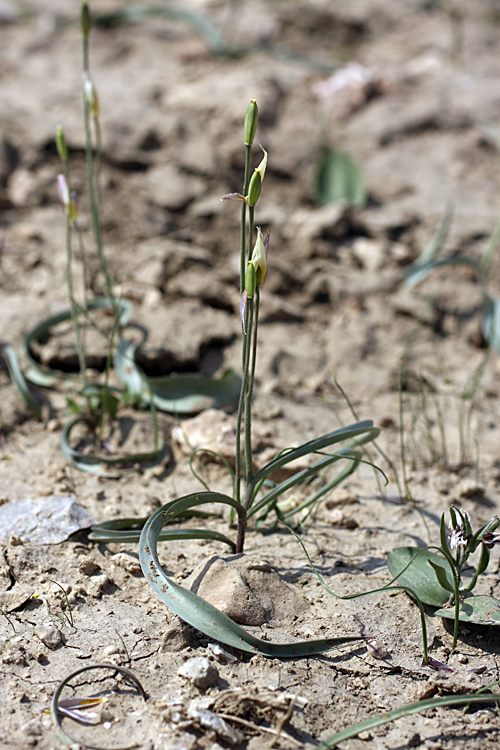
{"points": [[96, 464], [412, 569], [417, 272], [129, 530], [490, 325], [46, 376], [481, 610], [195, 610], [442, 575], [18, 379], [339, 178], [411, 708], [356, 434], [181, 394]]}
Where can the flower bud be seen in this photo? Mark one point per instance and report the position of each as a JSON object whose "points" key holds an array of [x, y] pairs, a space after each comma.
{"points": [[262, 166], [259, 259], [90, 94], [62, 149], [254, 188], [85, 19], [65, 197], [251, 118], [250, 280]]}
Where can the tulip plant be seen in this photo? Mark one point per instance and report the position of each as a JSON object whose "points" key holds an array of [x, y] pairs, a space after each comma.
{"points": [[438, 579], [255, 494]]}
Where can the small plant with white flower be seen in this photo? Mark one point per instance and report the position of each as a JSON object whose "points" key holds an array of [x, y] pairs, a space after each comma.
{"points": [[439, 580]]}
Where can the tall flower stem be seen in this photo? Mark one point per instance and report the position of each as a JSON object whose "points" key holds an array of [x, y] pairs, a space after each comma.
{"points": [[243, 264], [90, 108]]}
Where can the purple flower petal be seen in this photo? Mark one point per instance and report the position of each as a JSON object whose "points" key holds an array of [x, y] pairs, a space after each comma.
{"points": [[234, 197], [438, 665], [243, 305]]}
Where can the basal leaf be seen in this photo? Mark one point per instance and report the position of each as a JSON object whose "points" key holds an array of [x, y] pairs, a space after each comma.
{"points": [[95, 464], [46, 376], [417, 272], [481, 610], [17, 377], [198, 612], [182, 394], [490, 325], [339, 178], [419, 575]]}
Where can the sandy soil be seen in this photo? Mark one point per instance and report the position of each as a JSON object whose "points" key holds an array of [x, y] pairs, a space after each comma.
{"points": [[334, 305]]}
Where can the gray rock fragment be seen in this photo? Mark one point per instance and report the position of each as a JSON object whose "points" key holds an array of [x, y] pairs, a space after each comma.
{"points": [[45, 520], [200, 672], [209, 720], [49, 634]]}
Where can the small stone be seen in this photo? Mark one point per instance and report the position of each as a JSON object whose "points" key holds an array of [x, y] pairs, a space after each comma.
{"points": [[200, 672], [49, 634], [112, 650], [370, 253], [129, 561], [87, 565], [462, 659], [97, 584], [365, 736]]}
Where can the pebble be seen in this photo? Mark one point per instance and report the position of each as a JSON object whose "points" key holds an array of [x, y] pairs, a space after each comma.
{"points": [[49, 634], [200, 672], [87, 565]]}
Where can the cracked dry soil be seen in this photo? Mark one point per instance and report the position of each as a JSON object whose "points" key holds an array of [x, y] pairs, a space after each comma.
{"points": [[333, 305]]}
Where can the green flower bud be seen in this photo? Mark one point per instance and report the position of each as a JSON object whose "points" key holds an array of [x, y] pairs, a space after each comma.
{"points": [[251, 118], [85, 19], [90, 94], [254, 188], [250, 281], [259, 259], [62, 149]]}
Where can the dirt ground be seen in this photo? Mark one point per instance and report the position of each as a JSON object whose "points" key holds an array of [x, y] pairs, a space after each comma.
{"points": [[426, 133]]}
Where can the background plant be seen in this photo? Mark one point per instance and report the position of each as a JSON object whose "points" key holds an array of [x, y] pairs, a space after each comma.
{"points": [[437, 580]]}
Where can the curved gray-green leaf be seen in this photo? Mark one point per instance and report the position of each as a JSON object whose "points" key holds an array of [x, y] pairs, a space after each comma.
{"points": [[419, 575], [18, 379], [357, 434], [94, 464], [411, 708], [481, 610], [416, 273], [46, 376], [130, 529], [339, 178], [490, 325], [195, 610], [182, 394]]}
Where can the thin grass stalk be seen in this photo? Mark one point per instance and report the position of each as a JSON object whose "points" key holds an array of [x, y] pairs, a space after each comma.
{"points": [[74, 308], [89, 159], [375, 444], [109, 361]]}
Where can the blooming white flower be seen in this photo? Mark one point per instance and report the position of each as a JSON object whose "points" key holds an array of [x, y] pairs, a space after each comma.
{"points": [[457, 535]]}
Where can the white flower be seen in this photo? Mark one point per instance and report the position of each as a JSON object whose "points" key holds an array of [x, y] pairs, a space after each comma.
{"points": [[457, 535]]}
